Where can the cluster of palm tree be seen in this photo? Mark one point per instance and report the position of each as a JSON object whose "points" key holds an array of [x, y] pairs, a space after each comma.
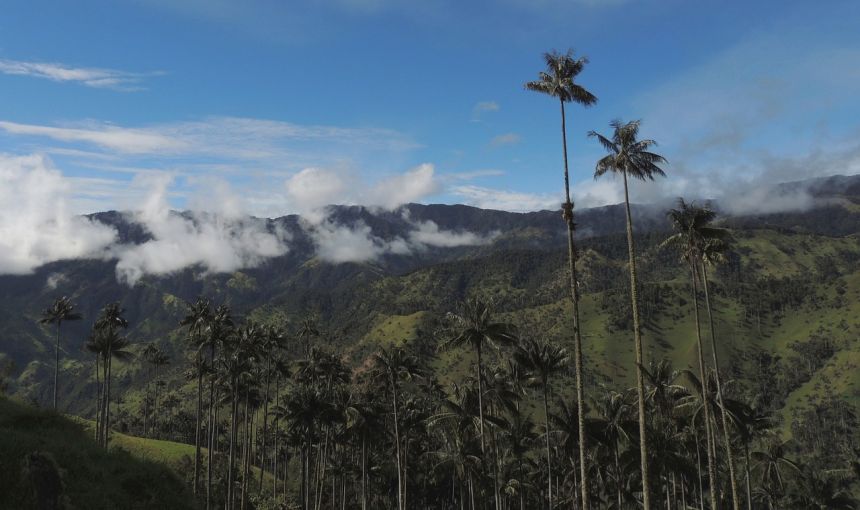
{"points": [[282, 419]]}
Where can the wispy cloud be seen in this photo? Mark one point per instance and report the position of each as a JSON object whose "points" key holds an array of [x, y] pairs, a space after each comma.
{"points": [[482, 108], [506, 200], [505, 139], [89, 76]]}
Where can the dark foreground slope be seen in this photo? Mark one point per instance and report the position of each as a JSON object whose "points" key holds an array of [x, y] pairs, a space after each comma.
{"points": [[48, 459]]}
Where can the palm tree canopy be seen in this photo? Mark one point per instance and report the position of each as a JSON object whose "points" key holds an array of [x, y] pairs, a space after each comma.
{"points": [[694, 236], [558, 79], [474, 327], [198, 319], [628, 154], [111, 317], [62, 309], [540, 359]]}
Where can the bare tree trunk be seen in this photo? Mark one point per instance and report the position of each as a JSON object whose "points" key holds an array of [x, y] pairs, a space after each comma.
{"points": [[736, 504], [265, 425], [197, 428], [548, 450], [56, 364], [397, 447], [637, 339], [703, 375], [574, 296]]}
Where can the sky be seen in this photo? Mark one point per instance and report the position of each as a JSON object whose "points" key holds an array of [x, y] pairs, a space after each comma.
{"points": [[271, 107]]}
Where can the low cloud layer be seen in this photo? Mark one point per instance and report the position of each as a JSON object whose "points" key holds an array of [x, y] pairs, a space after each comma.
{"points": [[217, 243], [37, 228], [35, 224]]}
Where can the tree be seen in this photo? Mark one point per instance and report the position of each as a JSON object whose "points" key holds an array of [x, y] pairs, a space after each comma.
{"points": [[390, 367], [541, 360], [220, 330], [631, 158], [197, 321], [109, 321], [688, 238], [157, 358], [474, 327], [61, 310], [558, 81]]}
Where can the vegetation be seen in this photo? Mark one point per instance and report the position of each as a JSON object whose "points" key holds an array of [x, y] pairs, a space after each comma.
{"points": [[450, 386]]}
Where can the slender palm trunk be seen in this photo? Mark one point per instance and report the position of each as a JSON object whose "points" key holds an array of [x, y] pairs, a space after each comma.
{"points": [[736, 503], [212, 427], [480, 401], [56, 364], [712, 472], [548, 450], [98, 401], [265, 425], [234, 411], [577, 336], [397, 447], [197, 428], [747, 469], [637, 339], [106, 427]]}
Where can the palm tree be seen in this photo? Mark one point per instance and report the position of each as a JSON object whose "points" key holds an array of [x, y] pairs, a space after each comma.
{"points": [[390, 367], [631, 157], [541, 360], [197, 321], [110, 345], [61, 310], [474, 327], [109, 321], [773, 466], [688, 223], [612, 426], [157, 358], [219, 331], [558, 81], [307, 331]]}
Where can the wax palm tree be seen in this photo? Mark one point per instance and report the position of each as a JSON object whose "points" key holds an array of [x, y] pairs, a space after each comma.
{"points": [[714, 246], [307, 331], [751, 425], [390, 367], [272, 341], [774, 466], [542, 360], [474, 327], [197, 321], [219, 331], [112, 346], [61, 310], [689, 224], [559, 81], [631, 157], [612, 426], [110, 320], [157, 358]]}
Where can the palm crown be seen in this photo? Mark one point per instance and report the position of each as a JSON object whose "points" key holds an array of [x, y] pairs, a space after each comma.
{"points": [[558, 79], [627, 154]]}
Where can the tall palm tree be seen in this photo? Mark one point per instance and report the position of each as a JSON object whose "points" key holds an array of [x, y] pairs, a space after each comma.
{"points": [[632, 158], [541, 360], [613, 426], [390, 367], [157, 358], [558, 81], [701, 244], [109, 321], [61, 310], [219, 331], [688, 223], [110, 345], [197, 321]]}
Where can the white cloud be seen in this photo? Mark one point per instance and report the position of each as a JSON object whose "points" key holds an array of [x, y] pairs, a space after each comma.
{"points": [[428, 233], [506, 200], [217, 243], [35, 224], [485, 106], [89, 76], [402, 189], [130, 141]]}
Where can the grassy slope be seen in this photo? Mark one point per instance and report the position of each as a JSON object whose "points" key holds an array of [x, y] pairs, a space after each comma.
{"points": [[93, 478]]}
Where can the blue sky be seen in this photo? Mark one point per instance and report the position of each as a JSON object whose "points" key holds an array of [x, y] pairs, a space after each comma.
{"points": [[271, 107]]}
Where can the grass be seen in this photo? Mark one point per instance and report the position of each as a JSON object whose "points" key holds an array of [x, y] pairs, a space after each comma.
{"points": [[92, 478]]}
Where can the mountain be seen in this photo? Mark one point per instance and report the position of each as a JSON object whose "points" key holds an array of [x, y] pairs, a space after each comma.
{"points": [[793, 280]]}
